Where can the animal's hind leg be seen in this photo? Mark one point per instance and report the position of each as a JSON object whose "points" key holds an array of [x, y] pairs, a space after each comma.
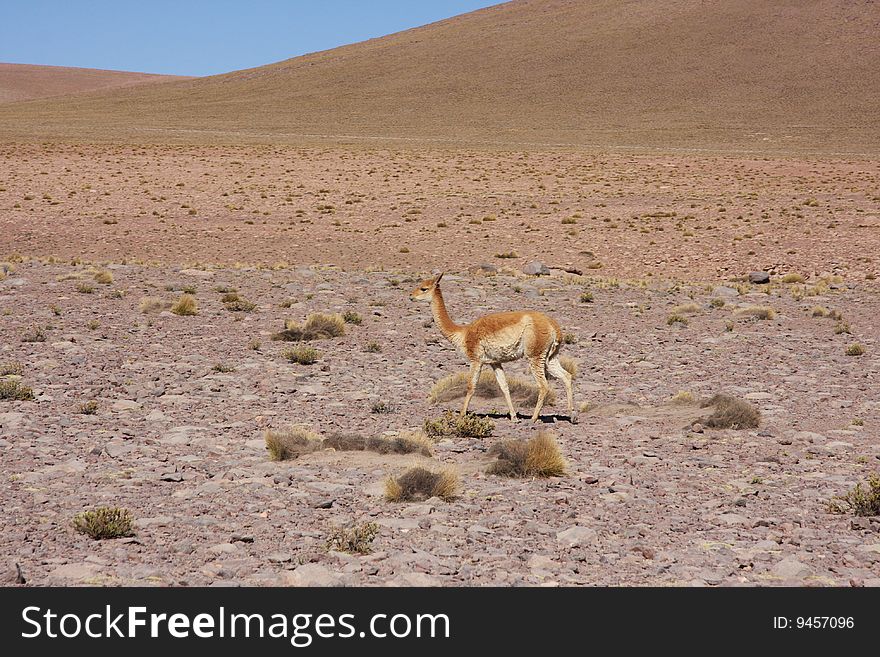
{"points": [[502, 383], [472, 385], [537, 367], [557, 371]]}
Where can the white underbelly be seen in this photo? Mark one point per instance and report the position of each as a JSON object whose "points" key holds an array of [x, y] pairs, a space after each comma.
{"points": [[502, 353]]}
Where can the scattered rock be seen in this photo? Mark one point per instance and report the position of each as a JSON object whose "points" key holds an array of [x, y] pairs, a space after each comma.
{"points": [[577, 536], [759, 277], [536, 268]]}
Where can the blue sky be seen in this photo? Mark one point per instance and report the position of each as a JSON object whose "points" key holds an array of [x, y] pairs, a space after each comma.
{"points": [[200, 37]]}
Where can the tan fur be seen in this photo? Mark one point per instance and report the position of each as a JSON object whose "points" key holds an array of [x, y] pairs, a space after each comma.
{"points": [[500, 338]]}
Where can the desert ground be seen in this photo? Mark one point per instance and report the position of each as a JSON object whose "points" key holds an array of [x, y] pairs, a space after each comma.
{"points": [[650, 496]]}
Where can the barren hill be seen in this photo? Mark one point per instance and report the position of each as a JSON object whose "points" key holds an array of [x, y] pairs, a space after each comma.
{"points": [[27, 82], [783, 75]]}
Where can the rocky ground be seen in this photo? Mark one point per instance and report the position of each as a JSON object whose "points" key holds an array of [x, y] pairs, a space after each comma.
{"points": [[647, 500]]}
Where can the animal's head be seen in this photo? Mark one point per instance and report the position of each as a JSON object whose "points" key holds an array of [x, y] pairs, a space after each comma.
{"points": [[425, 290]]}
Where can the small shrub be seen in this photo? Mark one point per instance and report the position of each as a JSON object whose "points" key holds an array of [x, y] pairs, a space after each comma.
{"points": [[301, 355], [291, 443], [405, 442], [676, 319], [860, 501], [105, 522], [88, 408], [507, 255], [36, 334], [819, 311], [418, 484], [12, 390], [381, 407], [569, 338], [683, 397], [855, 349], [238, 304], [536, 457], [373, 347], [353, 540], [452, 424], [85, 288], [153, 305], [350, 317], [717, 302], [103, 277], [255, 344], [93, 324], [586, 297], [842, 328], [688, 308], [792, 278], [318, 326], [185, 305], [223, 368], [731, 413]]}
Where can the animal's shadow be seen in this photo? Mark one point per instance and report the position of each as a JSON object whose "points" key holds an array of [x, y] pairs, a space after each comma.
{"points": [[553, 418]]}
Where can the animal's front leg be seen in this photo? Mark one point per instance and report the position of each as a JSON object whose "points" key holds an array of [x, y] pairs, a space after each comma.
{"points": [[472, 386]]}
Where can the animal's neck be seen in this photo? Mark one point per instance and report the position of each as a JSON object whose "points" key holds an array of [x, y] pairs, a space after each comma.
{"points": [[438, 307]]}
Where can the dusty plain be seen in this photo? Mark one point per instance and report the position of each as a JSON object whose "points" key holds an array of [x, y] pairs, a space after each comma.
{"points": [[183, 401]]}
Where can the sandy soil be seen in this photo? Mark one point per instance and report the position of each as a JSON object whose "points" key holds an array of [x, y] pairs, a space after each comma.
{"points": [[653, 501]]}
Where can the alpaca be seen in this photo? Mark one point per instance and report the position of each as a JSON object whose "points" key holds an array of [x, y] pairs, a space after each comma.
{"points": [[500, 338]]}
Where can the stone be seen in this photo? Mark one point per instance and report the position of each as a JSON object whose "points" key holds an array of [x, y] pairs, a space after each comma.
{"points": [[77, 571], [536, 268], [759, 277], [791, 568], [125, 405], [577, 536], [311, 574]]}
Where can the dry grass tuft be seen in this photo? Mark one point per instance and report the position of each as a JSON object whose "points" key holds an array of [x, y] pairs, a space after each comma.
{"points": [[418, 484], [88, 408], [153, 305], [453, 424], [686, 309], [353, 540], [793, 278], [291, 443], [570, 365], [819, 311], [185, 305], [683, 397], [302, 355], [731, 413], [105, 522], [759, 312], [537, 457], [103, 277], [12, 368], [855, 349], [859, 501], [318, 326], [522, 391], [405, 442]]}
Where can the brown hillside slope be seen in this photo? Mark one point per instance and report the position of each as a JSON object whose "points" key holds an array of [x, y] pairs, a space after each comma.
{"points": [[782, 75], [27, 82]]}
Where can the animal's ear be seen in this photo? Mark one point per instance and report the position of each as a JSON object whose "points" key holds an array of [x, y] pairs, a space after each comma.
{"points": [[439, 276]]}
